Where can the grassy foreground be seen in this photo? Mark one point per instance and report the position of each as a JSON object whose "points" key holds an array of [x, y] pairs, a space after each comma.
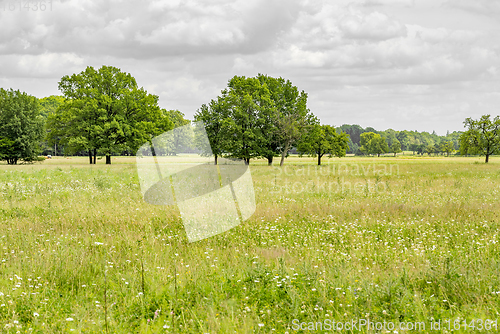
{"points": [[398, 240]]}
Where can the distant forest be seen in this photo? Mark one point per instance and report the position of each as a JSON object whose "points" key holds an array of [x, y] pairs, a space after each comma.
{"points": [[417, 142]]}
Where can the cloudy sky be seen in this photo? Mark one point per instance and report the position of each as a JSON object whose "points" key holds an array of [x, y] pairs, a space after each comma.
{"points": [[403, 64]]}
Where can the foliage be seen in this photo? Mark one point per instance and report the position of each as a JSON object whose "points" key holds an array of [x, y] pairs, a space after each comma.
{"points": [[182, 136], [250, 110], [254, 117], [409, 140], [21, 126], [289, 118], [447, 147], [482, 136], [49, 104], [214, 117], [323, 139], [104, 112], [373, 143], [396, 147]]}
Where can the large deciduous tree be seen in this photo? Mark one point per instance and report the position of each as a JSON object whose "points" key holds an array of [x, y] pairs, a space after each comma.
{"points": [[289, 119], [323, 139], [249, 110], [21, 126], [482, 136], [104, 112], [255, 117]]}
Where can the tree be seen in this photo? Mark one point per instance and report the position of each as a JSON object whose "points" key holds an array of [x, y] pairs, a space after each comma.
{"points": [[482, 136], [214, 117], [289, 118], [354, 131], [404, 138], [447, 147], [421, 149], [413, 147], [373, 143], [353, 147], [323, 139], [378, 145], [249, 110], [49, 105], [396, 147], [104, 111], [429, 149], [181, 137], [21, 126], [365, 139]]}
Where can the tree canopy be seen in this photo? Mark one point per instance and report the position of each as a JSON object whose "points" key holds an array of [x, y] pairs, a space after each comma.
{"points": [[373, 143], [323, 139], [289, 119], [482, 136], [21, 126], [105, 111]]}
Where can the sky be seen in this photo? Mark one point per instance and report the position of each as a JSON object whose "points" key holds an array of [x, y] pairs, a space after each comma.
{"points": [[421, 65]]}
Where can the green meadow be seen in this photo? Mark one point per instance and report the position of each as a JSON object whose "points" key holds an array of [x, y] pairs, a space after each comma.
{"points": [[406, 240]]}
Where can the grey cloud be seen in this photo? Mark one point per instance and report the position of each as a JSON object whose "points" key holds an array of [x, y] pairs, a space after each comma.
{"points": [[149, 30], [356, 59], [483, 7]]}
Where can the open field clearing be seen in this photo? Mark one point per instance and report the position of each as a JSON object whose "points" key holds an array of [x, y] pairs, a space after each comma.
{"points": [[399, 240]]}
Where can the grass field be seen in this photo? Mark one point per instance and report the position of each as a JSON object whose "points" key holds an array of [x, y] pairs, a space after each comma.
{"points": [[399, 240]]}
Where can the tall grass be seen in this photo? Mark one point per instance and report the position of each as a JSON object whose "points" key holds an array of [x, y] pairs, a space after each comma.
{"points": [[412, 243]]}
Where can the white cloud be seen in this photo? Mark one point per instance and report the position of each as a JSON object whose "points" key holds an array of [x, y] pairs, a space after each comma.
{"points": [[375, 25]]}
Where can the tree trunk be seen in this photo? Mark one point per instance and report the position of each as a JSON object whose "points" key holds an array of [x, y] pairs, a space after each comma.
{"points": [[108, 160], [283, 154], [215, 161], [378, 155], [394, 153], [270, 160], [319, 159], [247, 161], [487, 158], [90, 156], [95, 155]]}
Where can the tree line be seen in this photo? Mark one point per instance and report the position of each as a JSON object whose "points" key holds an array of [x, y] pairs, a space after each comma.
{"points": [[103, 112], [397, 141]]}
